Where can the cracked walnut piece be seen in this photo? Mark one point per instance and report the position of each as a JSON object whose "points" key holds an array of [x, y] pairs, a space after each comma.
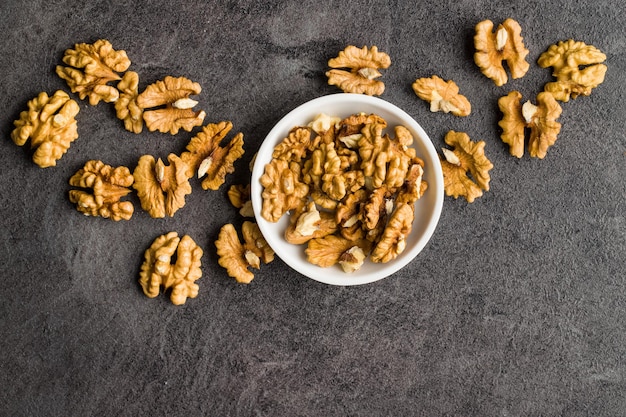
{"points": [[161, 189], [236, 257], [540, 119], [167, 106], [577, 67], [108, 184], [180, 276], [442, 95], [465, 156], [363, 65], [126, 107], [204, 156], [505, 44], [50, 125], [91, 67]]}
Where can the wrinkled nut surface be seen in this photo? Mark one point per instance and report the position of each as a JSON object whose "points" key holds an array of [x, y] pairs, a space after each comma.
{"points": [[442, 95], [161, 188], [91, 67], [465, 157], [239, 197], [50, 125], [167, 107], [504, 45], [236, 257], [539, 119], [578, 69], [205, 156], [108, 186], [174, 264], [126, 107], [349, 185], [355, 70]]}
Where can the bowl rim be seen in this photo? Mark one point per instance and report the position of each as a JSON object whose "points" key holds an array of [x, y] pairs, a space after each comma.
{"points": [[312, 108]]}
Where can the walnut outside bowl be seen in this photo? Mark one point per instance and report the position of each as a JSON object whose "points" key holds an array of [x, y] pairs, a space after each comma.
{"points": [[427, 208]]}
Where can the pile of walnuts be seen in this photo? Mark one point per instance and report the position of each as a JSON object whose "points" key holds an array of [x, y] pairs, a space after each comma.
{"points": [[365, 182]]}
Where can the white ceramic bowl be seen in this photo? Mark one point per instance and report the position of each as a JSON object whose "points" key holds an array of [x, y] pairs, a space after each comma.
{"points": [[427, 208]]}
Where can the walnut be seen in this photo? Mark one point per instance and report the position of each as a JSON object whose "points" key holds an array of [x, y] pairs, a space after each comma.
{"points": [[161, 189], [180, 276], [414, 185], [50, 125], [239, 196], [540, 119], [442, 95], [91, 67], [175, 108], [307, 223], [466, 156], [206, 157], [108, 184], [577, 67], [295, 146], [505, 44], [352, 259], [283, 189], [328, 250], [126, 106], [363, 65], [323, 123], [393, 240], [236, 256]]}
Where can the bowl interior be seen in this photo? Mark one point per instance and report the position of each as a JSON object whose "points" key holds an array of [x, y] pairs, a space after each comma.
{"points": [[427, 208]]}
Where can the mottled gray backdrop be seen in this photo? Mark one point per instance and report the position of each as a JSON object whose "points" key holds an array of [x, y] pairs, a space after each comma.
{"points": [[516, 307]]}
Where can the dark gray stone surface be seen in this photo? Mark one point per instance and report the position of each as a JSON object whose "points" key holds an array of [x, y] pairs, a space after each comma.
{"points": [[516, 307]]}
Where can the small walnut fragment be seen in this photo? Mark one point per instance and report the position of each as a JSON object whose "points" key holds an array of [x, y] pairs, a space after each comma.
{"points": [[108, 186], [126, 106], [578, 69], [465, 157], [50, 125], [442, 95], [206, 157], [356, 70], [236, 257], [91, 67], [167, 106], [239, 197], [174, 264], [540, 119], [307, 223], [161, 189], [505, 44]]}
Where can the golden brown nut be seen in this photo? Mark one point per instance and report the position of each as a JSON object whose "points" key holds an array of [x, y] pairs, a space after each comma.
{"points": [[442, 95], [540, 119], [237, 257], [327, 251], [158, 270], [363, 65], [393, 240], [175, 108], [283, 190], [205, 156], [108, 184], [307, 223], [91, 67], [50, 125], [465, 157], [295, 146], [126, 106], [505, 44], [161, 189], [577, 67], [239, 197]]}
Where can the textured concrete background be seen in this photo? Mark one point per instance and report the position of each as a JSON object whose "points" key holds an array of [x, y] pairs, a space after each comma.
{"points": [[516, 307]]}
